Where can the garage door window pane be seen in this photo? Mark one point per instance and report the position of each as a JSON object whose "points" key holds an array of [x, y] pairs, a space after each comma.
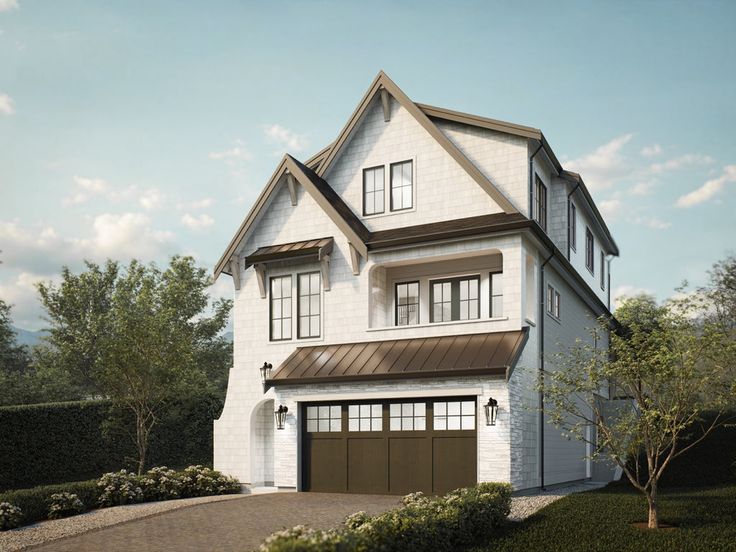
{"points": [[365, 417], [408, 417], [454, 415], [324, 418]]}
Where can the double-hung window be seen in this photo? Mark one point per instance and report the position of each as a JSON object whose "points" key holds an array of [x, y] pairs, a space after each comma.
{"points": [[402, 187], [572, 226], [540, 203], [280, 308], [589, 257], [603, 270], [373, 191], [553, 302], [407, 303], [308, 290], [496, 294], [455, 299]]}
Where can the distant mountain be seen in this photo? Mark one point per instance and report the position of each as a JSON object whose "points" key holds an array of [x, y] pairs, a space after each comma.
{"points": [[28, 337], [228, 336]]}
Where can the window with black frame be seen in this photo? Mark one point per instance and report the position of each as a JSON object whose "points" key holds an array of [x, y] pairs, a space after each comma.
{"points": [[309, 305], [407, 303], [496, 294], [540, 203], [280, 308], [373, 191], [402, 187], [455, 299], [589, 251]]}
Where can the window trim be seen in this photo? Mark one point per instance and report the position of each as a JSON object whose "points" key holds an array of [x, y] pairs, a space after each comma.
{"points": [[391, 186], [383, 170], [572, 226], [538, 204], [589, 250], [491, 314], [298, 305], [396, 302], [458, 279], [270, 309], [554, 303]]}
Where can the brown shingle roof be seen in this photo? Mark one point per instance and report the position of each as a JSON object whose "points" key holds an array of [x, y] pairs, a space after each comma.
{"points": [[455, 355]]}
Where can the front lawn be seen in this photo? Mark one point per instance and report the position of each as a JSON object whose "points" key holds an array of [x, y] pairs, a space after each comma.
{"points": [[601, 521]]}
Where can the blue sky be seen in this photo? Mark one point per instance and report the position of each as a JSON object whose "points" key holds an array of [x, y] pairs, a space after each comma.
{"points": [[148, 128]]}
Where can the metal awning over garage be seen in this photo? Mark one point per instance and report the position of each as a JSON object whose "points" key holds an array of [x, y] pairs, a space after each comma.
{"points": [[447, 356]]}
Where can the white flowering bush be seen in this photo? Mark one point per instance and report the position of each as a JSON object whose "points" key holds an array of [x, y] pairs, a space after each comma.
{"points": [[161, 483], [204, 481], [460, 519], [64, 505], [118, 488], [10, 516]]}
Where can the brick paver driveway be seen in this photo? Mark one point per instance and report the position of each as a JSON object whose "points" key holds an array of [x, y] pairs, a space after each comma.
{"points": [[233, 525]]}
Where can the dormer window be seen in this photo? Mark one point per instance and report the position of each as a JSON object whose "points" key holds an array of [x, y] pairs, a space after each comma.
{"points": [[373, 191], [402, 187]]}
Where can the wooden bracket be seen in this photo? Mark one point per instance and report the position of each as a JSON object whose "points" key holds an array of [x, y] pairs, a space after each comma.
{"points": [[324, 268], [354, 259], [386, 105], [235, 271], [291, 181], [260, 269]]}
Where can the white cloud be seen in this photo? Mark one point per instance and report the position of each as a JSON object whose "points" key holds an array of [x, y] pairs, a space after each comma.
{"points": [[197, 223], [21, 293], [620, 293], [7, 105], [604, 165], [610, 208], [643, 188], [7, 5], [125, 236], [237, 153], [204, 203], [85, 189], [651, 151], [285, 137], [709, 189], [151, 199], [680, 162], [652, 222]]}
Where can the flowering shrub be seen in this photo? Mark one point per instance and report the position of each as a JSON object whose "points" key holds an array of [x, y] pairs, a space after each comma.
{"points": [[203, 481], [118, 488], [161, 484], [457, 520], [10, 516], [64, 505]]}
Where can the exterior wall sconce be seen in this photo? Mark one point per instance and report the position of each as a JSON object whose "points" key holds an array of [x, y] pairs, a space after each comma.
{"points": [[265, 372], [491, 411], [280, 416]]}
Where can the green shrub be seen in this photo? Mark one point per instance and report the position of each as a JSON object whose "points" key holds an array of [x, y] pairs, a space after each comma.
{"points": [[34, 502], [10, 516], [204, 481], [118, 488], [459, 519], [161, 483], [64, 505]]}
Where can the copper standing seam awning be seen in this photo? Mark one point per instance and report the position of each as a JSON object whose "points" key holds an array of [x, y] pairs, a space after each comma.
{"points": [[427, 357], [318, 248]]}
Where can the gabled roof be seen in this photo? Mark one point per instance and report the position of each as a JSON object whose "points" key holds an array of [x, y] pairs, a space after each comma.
{"points": [[383, 82], [320, 191]]}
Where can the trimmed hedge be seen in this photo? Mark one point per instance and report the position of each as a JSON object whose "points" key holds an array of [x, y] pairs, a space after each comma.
{"points": [[34, 502], [73, 441], [461, 518]]}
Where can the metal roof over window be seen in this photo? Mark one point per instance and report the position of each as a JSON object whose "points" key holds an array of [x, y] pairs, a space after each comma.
{"points": [[447, 356], [318, 248]]}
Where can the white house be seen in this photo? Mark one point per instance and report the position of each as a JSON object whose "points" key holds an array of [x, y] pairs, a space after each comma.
{"points": [[425, 262]]}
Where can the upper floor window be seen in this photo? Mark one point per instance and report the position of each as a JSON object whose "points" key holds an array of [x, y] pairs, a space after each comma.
{"points": [[553, 302], [540, 203], [402, 188], [373, 191], [308, 308], [496, 294], [603, 270], [455, 299], [573, 226], [280, 308], [407, 303], [589, 257]]}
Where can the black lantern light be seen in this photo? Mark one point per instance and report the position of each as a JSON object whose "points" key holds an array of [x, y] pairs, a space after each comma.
{"points": [[280, 415], [265, 372], [491, 411]]}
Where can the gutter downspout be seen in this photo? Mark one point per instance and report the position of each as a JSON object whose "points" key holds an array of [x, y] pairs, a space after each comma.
{"points": [[531, 180], [568, 222], [542, 315]]}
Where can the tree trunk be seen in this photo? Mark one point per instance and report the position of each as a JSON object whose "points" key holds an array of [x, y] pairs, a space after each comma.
{"points": [[141, 442], [652, 500]]}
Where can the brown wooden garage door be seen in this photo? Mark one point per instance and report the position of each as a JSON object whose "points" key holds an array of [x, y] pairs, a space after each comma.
{"points": [[389, 447]]}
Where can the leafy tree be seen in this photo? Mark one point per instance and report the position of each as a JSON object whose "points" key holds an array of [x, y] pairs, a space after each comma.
{"points": [[663, 372]]}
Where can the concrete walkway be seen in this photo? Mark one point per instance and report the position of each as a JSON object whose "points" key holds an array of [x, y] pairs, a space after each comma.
{"points": [[239, 524]]}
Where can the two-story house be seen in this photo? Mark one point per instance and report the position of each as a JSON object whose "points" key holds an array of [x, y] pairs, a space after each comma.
{"points": [[396, 297]]}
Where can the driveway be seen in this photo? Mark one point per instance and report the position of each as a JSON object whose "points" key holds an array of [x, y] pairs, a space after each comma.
{"points": [[232, 525]]}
